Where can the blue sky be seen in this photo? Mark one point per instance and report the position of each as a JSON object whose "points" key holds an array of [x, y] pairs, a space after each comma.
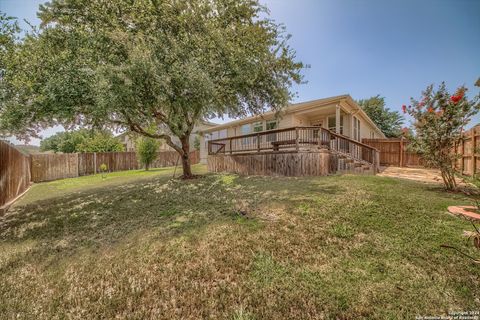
{"points": [[369, 47]]}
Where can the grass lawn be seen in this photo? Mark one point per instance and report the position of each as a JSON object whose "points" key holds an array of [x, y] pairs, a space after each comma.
{"points": [[141, 245]]}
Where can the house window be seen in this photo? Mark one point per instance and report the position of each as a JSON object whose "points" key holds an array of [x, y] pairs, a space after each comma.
{"points": [[332, 124], [257, 126], [216, 135], [245, 129], [372, 135], [356, 129], [271, 125]]}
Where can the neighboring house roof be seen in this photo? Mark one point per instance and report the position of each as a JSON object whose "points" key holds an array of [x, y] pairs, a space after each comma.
{"points": [[292, 108], [204, 125]]}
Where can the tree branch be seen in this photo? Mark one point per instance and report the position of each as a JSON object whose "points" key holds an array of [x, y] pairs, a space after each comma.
{"points": [[138, 129]]}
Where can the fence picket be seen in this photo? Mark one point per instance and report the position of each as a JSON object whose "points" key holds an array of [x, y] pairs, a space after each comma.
{"points": [[48, 167], [14, 173], [467, 163]]}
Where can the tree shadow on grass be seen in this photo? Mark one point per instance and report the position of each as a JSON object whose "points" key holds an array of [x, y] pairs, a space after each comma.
{"points": [[100, 217]]}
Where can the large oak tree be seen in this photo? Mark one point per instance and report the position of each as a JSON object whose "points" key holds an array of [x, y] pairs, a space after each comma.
{"points": [[155, 67]]}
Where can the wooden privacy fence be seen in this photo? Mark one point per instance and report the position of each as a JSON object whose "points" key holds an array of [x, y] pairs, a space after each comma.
{"points": [[468, 162], [47, 167], [394, 152], [14, 173]]}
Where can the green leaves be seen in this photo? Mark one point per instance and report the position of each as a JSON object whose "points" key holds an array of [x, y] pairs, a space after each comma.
{"points": [[147, 149], [81, 141], [390, 122], [101, 142], [140, 64]]}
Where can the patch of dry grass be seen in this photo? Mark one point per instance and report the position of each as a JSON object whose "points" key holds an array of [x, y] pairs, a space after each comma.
{"points": [[229, 247]]}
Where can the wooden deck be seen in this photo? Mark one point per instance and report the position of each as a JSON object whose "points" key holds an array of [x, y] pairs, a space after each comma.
{"points": [[296, 151], [294, 164]]}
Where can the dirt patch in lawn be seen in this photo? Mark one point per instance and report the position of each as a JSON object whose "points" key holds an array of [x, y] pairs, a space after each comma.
{"points": [[417, 174]]}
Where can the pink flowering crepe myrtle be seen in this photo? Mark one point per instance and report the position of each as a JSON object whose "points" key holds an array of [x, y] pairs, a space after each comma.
{"points": [[439, 120]]}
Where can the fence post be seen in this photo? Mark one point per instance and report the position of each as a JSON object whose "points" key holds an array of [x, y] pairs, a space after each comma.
{"points": [[95, 163], [474, 165], [471, 155], [462, 166], [78, 164], [401, 152], [31, 168]]}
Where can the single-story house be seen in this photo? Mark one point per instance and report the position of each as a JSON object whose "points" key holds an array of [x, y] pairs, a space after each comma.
{"points": [[341, 115]]}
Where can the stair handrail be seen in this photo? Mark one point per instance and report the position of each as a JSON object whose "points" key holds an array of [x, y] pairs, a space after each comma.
{"points": [[347, 138]]}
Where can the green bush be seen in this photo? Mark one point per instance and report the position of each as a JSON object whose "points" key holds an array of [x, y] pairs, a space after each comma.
{"points": [[196, 143], [147, 149], [82, 140], [104, 170], [101, 142]]}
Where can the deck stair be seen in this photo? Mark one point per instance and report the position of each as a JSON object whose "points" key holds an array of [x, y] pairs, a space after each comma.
{"points": [[346, 164]]}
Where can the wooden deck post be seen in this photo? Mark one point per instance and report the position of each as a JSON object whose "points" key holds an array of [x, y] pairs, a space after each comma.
{"points": [[337, 119], [297, 147], [258, 142]]}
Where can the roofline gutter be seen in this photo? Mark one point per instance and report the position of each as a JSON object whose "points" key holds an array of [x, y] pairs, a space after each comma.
{"points": [[301, 106]]}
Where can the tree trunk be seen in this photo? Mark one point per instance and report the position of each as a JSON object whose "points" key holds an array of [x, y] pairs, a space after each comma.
{"points": [[187, 170], [448, 176], [147, 166]]}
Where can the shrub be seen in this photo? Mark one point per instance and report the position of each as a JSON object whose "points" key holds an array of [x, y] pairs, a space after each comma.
{"points": [[82, 140], [439, 121], [196, 143], [147, 149], [103, 170], [101, 142]]}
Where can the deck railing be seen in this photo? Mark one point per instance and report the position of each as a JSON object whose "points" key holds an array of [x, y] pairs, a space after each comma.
{"points": [[294, 139]]}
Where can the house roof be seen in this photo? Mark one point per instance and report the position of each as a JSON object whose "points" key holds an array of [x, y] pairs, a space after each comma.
{"points": [[208, 123], [292, 108]]}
